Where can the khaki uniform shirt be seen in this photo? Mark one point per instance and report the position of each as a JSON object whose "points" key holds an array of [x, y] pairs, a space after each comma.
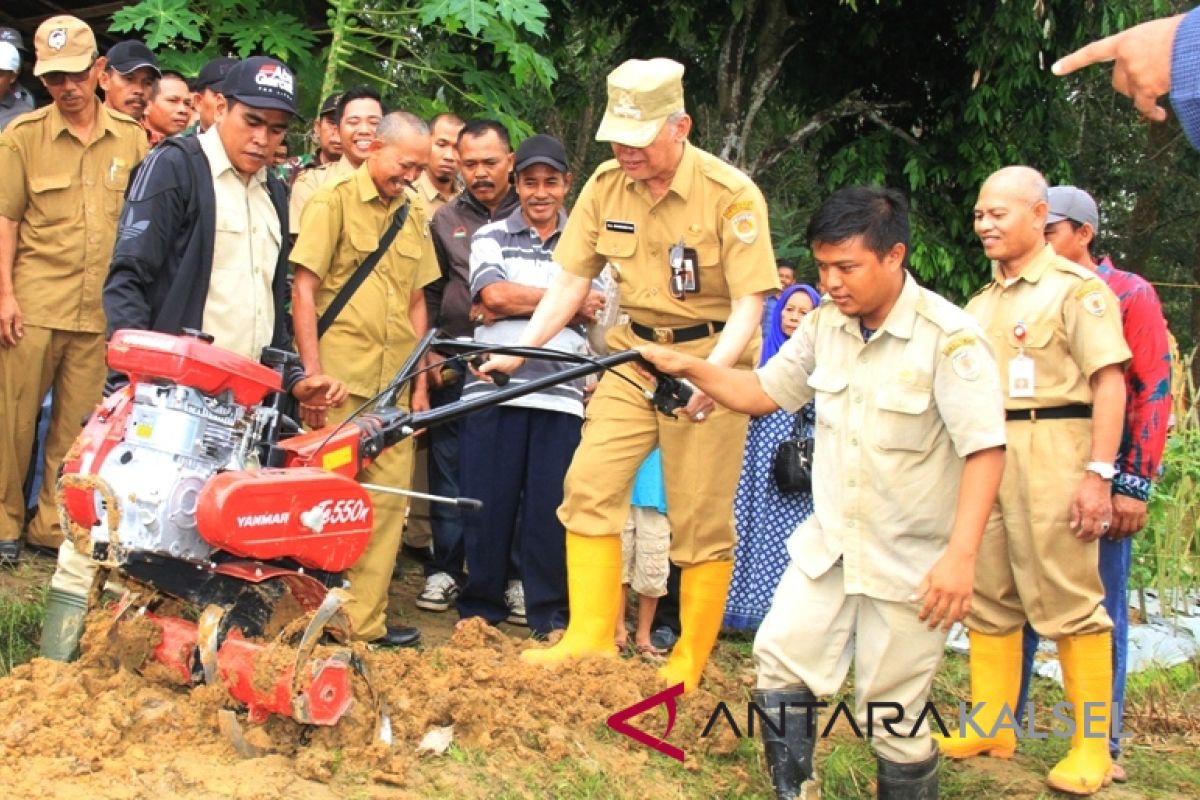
{"points": [[342, 225], [307, 185], [1072, 328], [239, 311], [711, 206], [896, 417], [67, 195], [432, 198]]}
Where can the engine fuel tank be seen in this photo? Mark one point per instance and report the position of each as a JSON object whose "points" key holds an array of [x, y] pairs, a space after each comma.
{"points": [[321, 519], [153, 356]]}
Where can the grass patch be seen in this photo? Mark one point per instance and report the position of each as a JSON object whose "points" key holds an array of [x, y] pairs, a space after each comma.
{"points": [[21, 614]]}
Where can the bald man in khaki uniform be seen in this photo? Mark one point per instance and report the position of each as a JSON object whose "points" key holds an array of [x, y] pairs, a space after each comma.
{"points": [[908, 457], [1056, 330], [65, 168], [375, 332], [687, 235]]}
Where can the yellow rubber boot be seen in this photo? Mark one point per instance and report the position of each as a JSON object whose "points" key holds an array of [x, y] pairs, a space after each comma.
{"points": [[703, 589], [995, 682], [1087, 680], [594, 596]]}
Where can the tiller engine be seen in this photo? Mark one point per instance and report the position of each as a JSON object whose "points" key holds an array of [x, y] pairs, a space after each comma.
{"points": [[231, 534]]}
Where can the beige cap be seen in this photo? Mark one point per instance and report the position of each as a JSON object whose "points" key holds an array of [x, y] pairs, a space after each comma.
{"points": [[641, 95], [64, 44]]}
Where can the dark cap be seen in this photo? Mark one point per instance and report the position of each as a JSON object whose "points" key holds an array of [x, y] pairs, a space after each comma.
{"points": [[13, 37], [129, 55], [261, 82], [329, 106], [212, 73], [542, 149]]}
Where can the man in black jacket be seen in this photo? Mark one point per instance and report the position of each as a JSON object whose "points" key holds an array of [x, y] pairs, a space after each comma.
{"points": [[202, 243]]}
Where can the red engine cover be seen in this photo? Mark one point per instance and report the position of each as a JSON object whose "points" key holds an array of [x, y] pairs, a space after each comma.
{"points": [[149, 355], [103, 430], [321, 519]]}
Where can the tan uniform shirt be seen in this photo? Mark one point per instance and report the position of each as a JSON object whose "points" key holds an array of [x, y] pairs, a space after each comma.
{"points": [[711, 206], [67, 195], [240, 311], [433, 199], [373, 335], [307, 185], [1072, 328], [896, 417]]}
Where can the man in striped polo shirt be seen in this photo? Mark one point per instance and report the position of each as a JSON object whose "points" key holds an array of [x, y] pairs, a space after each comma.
{"points": [[515, 455]]}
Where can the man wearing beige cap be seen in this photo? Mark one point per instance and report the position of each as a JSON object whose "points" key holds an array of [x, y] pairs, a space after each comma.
{"points": [[688, 237], [65, 170]]}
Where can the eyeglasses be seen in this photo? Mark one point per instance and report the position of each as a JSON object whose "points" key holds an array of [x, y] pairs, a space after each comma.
{"points": [[678, 274], [58, 78]]}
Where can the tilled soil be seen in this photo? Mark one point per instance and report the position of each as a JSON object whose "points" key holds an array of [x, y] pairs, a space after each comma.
{"points": [[102, 727]]}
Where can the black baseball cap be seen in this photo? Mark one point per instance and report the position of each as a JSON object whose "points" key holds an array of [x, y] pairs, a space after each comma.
{"points": [[212, 74], [261, 82], [131, 54], [542, 149], [329, 105], [13, 37]]}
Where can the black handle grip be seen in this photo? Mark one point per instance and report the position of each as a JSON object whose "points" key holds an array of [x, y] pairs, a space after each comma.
{"points": [[498, 378], [469, 504]]}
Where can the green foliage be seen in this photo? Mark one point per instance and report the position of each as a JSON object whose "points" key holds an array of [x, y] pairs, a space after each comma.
{"points": [[1166, 555], [21, 615]]}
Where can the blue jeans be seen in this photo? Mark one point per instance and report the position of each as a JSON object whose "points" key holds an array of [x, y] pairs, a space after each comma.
{"points": [[1114, 574], [519, 458], [445, 521]]}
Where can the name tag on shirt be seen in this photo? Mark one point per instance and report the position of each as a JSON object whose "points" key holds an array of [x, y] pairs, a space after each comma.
{"points": [[1020, 377], [619, 226]]}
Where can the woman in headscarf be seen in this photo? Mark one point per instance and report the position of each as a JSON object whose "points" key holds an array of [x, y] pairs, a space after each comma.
{"points": [[766, 517]]}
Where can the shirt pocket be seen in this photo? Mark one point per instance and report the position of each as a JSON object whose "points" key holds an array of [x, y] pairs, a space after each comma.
{"points": [[829, 386], [712, 277], [51, 198], [617, 246], [1037, 335], [116, 181], [906, 419]]}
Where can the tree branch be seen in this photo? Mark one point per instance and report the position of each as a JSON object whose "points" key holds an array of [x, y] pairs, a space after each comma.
{"points": [[849, 106]]}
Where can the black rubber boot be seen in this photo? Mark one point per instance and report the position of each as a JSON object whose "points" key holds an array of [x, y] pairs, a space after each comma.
{"points": [[917, 781], [789, 746]]}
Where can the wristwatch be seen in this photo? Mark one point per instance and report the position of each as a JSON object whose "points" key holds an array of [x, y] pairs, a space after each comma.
{"points": [[1105, 470]]}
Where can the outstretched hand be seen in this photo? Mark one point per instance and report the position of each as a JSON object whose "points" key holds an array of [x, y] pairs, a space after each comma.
{"points": [[1141, 59]]}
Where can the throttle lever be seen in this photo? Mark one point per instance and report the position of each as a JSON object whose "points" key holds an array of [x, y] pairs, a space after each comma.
{"points": [[670, 393]]}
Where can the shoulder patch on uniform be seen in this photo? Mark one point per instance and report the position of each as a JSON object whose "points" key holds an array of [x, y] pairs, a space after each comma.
{"points": [[745, 227], [737, 208], [964, 360], [1091, 296]]}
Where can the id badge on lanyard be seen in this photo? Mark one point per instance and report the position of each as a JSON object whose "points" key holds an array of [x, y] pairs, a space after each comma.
{"points": [[1020, 367]]}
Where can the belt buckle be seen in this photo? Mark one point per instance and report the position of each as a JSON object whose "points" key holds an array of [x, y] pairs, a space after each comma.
{"points": [[664, 336]]}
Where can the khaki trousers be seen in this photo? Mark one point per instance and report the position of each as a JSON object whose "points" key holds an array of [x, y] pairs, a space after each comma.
{"points": [[75, 572], [73, 364], [1031, 566], [371, 575], [701, 465], [813, 630], [417, 529]]}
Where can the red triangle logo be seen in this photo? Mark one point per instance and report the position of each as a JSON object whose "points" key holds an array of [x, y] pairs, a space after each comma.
{"points": [[619, 721]]}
